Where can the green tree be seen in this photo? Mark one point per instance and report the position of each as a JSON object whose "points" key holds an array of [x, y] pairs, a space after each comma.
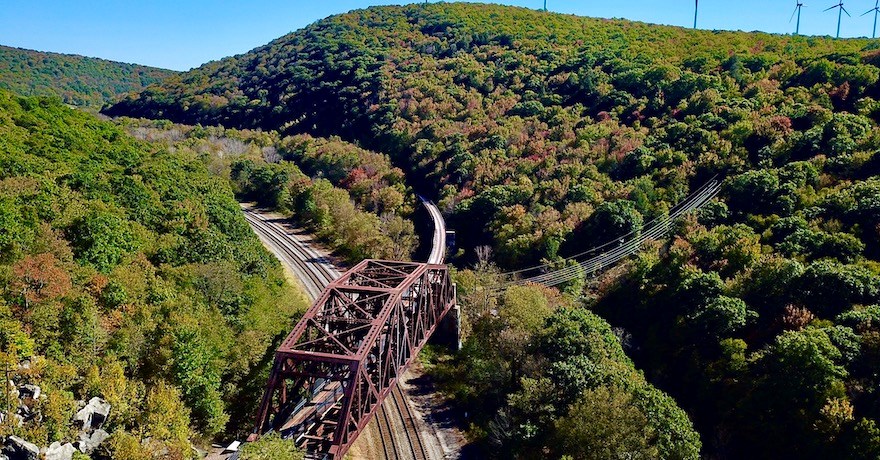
{"points": [[611, 221], [723, 316], [166, 418], [102, 239], [602, 424], [194, 367], [271, 447], [127, 446], [800, 369]]}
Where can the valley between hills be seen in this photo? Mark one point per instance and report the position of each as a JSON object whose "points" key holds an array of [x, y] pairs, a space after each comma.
{"points": [[664, 242]]}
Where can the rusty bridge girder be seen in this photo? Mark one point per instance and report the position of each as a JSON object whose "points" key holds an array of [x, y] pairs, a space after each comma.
{"points": [[345, 355]]}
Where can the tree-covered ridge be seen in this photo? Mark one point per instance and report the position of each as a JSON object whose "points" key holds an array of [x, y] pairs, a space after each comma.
{"points": [[128, 273], [517, 115], [77, 80], [352, 199], [545, 135]]}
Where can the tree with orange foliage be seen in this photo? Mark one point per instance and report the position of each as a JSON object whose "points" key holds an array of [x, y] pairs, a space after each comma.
{"points": [[39, 277]]}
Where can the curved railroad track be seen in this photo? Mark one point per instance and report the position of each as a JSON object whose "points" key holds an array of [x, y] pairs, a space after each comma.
{"points": [[438, 241], [313, 269]]}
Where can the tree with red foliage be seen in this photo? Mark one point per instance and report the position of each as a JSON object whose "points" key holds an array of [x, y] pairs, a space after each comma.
{"points": [[39, 277]]}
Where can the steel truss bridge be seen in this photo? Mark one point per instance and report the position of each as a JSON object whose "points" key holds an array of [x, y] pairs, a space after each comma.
{"points": [[334, 370]]}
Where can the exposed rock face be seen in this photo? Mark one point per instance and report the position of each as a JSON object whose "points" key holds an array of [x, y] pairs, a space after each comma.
{"points": [[58, 451], [16, 448], [29, 391], [88, 443], [90, 419], [93, 415]]}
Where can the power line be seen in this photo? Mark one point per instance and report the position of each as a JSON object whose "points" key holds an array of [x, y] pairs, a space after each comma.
{"points": [[607, 244], [627, 245]]}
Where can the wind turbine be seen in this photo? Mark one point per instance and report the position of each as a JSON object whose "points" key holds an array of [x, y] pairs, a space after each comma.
{"points": [[876, 9], [797, 11], [696, 8], [839, 14]]}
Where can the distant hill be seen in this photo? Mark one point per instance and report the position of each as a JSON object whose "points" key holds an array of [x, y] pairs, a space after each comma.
{"points": [[78, 80], [340, 74]]}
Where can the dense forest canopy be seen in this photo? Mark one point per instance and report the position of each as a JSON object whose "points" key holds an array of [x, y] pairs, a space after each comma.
{"points": [[542, 135], [77, 80], [352, 199], [129, 274], [524, 122]]}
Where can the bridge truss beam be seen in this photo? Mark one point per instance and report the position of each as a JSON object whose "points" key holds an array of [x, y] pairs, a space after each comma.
{"points": [[343, 358]]}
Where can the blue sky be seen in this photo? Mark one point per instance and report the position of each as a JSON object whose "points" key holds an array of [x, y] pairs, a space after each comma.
{"points": [[180, 34]]}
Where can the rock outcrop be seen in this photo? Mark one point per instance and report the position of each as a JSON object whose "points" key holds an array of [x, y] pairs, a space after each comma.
{"points": [[88, 443], [16, 448], [58, 451], [93, 415]]}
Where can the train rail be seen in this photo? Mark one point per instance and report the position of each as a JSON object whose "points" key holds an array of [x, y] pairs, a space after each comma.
{"points": [[438, 241], [313, 269], [415, 443]]}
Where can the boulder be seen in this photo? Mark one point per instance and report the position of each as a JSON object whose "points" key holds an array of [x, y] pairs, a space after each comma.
{"points": [[16, 448], [58, 451], [29, 391], [27, 414], [88, 443], [93, 415]]}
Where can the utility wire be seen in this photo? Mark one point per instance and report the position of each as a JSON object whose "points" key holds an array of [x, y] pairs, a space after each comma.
{"points": [[625, 247], [595, 250], [602, 261]]}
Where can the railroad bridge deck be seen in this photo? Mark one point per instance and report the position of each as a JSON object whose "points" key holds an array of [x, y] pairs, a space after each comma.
{"points": [[333, 371]]}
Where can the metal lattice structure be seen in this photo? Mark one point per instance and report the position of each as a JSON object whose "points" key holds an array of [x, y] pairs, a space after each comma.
{"points": [[348, 351]]}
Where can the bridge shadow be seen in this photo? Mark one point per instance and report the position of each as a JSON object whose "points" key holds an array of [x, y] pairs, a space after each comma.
{"points": [[320, 260], [443, 414]]}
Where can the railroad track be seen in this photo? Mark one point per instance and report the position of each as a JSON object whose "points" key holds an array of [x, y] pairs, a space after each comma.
{"points": [[308, 264], [415, 443], [315, 272], [411, 446], [438, 241], [385, 430]]}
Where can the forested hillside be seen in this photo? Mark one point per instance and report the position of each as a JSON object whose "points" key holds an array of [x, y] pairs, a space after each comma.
{"points": [[77, 80], [128, 274], [353, 199], [543, 135]]}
